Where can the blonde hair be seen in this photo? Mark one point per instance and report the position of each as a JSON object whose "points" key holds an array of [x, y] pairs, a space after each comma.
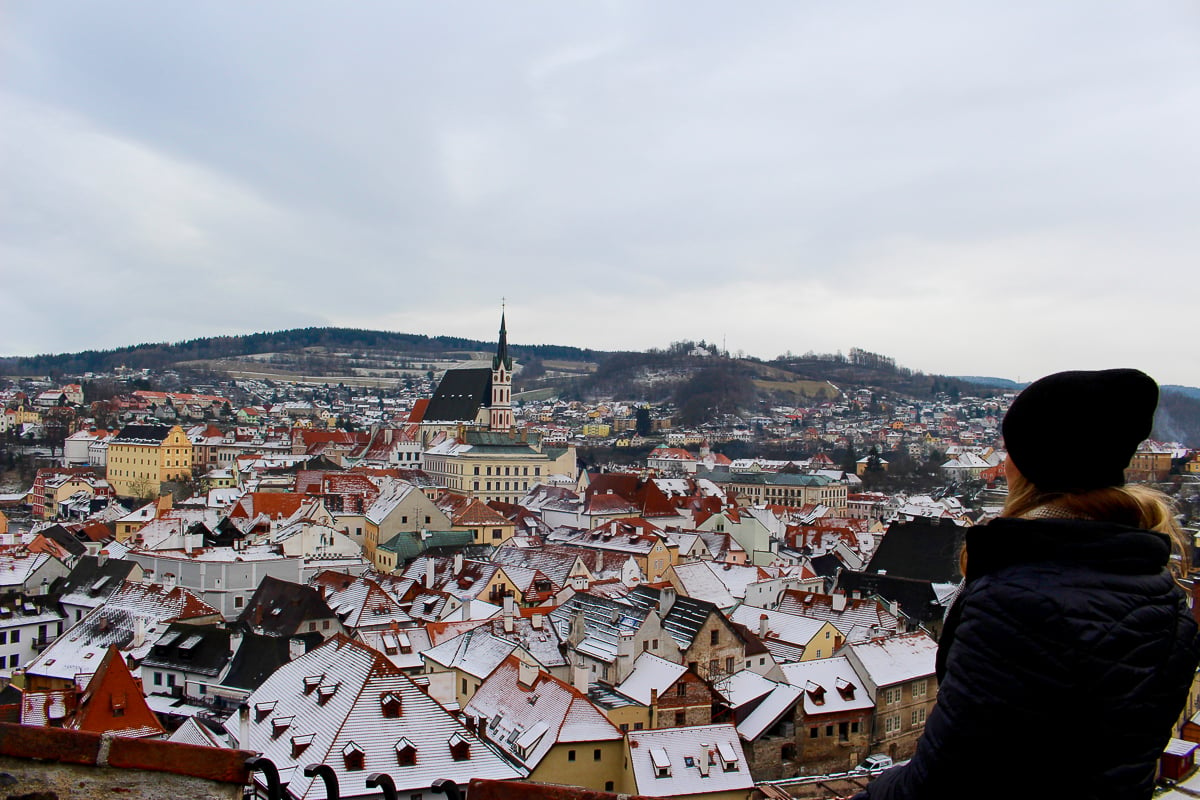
{"points": [[1134, 505]]}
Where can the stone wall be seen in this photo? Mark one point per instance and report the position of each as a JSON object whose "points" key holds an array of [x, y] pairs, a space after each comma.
{"points": [[53, 763]]}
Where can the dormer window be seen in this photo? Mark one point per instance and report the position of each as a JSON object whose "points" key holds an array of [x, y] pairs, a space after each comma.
{"points": [[845, 688], [815, 692], [353, 756], [312, 682], [301, 743], [263, 710], [729, 758], [280, 724], [460, 748], [662, 764], [389, 702], [326, 691], [406, 753]]}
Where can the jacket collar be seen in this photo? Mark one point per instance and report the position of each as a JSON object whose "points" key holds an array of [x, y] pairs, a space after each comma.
{"points": [[1105, 546]]}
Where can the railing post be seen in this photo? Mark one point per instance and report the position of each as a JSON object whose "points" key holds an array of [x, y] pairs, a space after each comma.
{"points": [[326, 774], [268, 769], [447, 787], [381, 780]]}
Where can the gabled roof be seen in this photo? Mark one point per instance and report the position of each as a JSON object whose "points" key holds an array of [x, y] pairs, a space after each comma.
{"points": [[142, 434], [279, 607], [650, 672], [459, 395], [359, 602], [476, 652], [683, 619], [896, 659], [344, 705], [113, 702], [920, 549], [529, 711], [202, 649], [831, 685], [858, 619], [670, 762]]}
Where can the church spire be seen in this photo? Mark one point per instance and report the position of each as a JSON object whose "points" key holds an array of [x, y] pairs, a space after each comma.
{"points": [[500, 416], [502, 357]]}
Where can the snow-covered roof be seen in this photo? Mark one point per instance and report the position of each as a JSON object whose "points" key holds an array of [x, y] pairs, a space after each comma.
{"points": [[650, 672], [342, 701], [831, 685], [897, 659], [529, 711], [696, 760]]}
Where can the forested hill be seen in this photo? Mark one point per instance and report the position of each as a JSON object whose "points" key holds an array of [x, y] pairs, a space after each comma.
{"points": [[164, 355]]}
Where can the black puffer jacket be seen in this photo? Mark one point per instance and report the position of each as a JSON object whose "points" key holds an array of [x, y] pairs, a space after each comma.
{"points": [[1063, 664]]}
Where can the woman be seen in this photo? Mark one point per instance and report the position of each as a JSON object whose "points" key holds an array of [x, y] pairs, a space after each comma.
{"points": [[1068, 654]]}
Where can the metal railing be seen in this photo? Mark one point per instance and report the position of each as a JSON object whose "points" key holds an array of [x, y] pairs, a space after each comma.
{"points": [[375, 780]]}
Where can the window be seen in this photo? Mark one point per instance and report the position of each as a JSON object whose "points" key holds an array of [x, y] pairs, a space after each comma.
{"points": [[854, 727], [829, 730], [464, 686], [170, 679], [813, 733], [16, 636], [843, 731], [680, 718], [729, 664], [645, 645], [570, 755], [608, 786], [3, 637], [891, 724], [892, 695], [158, 679], [596, 754], [918, 716], [714, 637], [238, 602], [920, 688], [637, 726], [681, 689]]}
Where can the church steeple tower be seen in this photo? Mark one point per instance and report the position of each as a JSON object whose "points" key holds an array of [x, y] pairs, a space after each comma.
{"points": [[500, 416]]}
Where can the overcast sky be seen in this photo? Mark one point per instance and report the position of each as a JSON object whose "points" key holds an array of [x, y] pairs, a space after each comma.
{"points": [[1001, 188]]}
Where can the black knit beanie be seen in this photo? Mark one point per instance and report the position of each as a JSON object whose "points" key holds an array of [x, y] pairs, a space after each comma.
{"points": [[1074, 431]]}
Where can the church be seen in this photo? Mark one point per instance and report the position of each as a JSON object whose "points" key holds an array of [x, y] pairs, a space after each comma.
{"points": [[475, 447]]}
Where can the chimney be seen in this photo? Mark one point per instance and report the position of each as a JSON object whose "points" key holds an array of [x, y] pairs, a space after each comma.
{"points": [[168, 581], [101, 558], [509, 606], [666, 599], [535, 622], [429, 572], [839, 601], [763, 625], [244, 725], [466, 608], [483, 729], [458, 563], [526, 674], [139, 631], [295, 648], [580, 677]]}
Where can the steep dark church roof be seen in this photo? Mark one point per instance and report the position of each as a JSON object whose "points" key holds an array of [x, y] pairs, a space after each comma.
{"points": [[459, 396]]}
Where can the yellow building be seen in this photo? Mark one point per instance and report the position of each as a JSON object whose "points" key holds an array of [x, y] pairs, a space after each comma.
{"points": [[597, 430], [549, 727], [142, 457], [500, 466]]}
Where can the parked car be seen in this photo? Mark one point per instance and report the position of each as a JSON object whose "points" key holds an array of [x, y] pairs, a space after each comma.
{"points": [[874, 763]]}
